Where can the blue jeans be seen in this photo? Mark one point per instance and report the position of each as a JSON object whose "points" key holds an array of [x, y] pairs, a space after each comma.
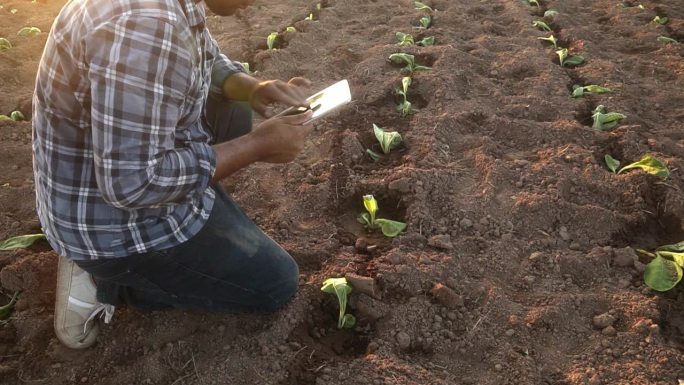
{"points": [[230, 265]]}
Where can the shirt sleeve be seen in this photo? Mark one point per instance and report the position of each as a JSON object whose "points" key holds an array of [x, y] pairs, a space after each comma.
{"points": [[140, 70], [222, 67]]}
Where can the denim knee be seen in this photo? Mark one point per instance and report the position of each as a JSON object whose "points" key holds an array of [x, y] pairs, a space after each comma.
{"points": [[286, 283]]}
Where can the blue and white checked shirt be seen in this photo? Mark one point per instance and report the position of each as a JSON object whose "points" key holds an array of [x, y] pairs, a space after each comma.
{"points": [[121, 160]]}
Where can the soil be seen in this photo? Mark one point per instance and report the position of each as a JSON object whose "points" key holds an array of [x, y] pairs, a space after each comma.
{"points": [[518, 235]]}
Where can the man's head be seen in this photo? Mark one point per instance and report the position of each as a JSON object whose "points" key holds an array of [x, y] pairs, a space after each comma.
{"points": [[227, 7]]}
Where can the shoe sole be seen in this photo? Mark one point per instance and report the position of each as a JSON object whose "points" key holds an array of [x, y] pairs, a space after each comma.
{"points": [[65, 269]]}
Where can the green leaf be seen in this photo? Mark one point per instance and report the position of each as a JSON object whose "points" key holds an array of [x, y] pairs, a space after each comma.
{"points": [[421, 6], [541, 25], [426, 21], [348, 321], [662, 274], [405, 83], [29, 31], [365, 220], [371, 206], [573, 60], [4, 44], [603, 120], [310, 17], [245, 65], [660, 20], [550, 13], [595, 89], [612, 163], [4, 117], [6, 309], [388, 140], [677, 247], [404, 39], [402, 58], [533, 2], [291, 29], [271, 39], [665, 40], [19, 242], [405, 108], [562, 54], [341, 289], [427, 41], [551, 39], [677, 258], [17, 116], [390, 228], [374, 155], [649, 164]]}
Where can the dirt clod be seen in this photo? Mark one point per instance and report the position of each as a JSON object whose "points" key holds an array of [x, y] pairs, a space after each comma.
{"points": [[446, 296]]}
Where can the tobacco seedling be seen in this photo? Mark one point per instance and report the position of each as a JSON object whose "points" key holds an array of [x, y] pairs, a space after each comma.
{"points": [[425, 21], [374, 155], [409, 60], [605, 120], [290, 29], [29, 31], [4, 44], [6, 309], [612, 163], [660, 20], [422, 6], [245, 65], [551, 39], [533, 2], [665, 39], [551, 13], [341, 289], [665, 270], [17, 116], [427, 41], [389, 228], [271, 39], [388, 140], [405, 106], [310, 17], [591, 89], [648, 164], [570, 61], [20, 241], [541, 25], [404, 39]]}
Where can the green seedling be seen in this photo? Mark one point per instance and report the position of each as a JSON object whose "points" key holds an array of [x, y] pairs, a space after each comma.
{"points": [[591, 89], [422, 6], [19, 242], [427, 41], [550, 14], [310, 17], [660, 20], [404, 39], [389, 228], [551, 39], [409, 61], [291, 29], [245, 65], [405, 106], [605, 120], [541, 25], [17, 116], [4, 44], [568, 61], [533, 2], [388, 140], [425, 21], [4, 117], [665, 270], [271, 39], [29, 31], [612, 163], [374, 155], [665, 40], [341, 289], [6, 309], [650, 165]]}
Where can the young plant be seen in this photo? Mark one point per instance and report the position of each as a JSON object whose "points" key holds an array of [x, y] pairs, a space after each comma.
{"points": [[427, 41], [271, 39], [20, 241], [650, 165], [550, 14], [374, 155], [245, 65], [409, 61], [6, 309], [388, 140], [310, 17], [660, 20], [665, 40], [541, 25], [29, 31], [533, 2], [612, 163], [4, 117], [568, 61], [665, 270], [341, 289], [605, 120], [551, 39], [4, 44], [291, 29], [425, 21], [591, 89], [422, 6], [17, 116], [389, 228], [405, 106], [404, 39]]}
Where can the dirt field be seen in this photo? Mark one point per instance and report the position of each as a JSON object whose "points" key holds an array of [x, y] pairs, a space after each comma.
{"points": [[518, 235]]}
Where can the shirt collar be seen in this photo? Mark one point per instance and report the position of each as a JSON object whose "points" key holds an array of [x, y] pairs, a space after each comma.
{"points": [[194, 11]]}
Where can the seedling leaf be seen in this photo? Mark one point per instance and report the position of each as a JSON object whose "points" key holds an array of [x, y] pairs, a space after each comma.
{"points": [[371, 206], [409, 60], [290, 29], [421, 6], [404, 39], [677, 247], [271, 39], [603, 120], [17, 116], [4, 117], [649, 164], [660, 20], [245, 65], [364, 219], [427, 41], [389, 140], [6, 309], [552, 39], [426, 21], [578, 90], [390, 228], [20, 241], [612, 163], [374, 155], [29, 31], [405, 83], [662, 274], [533, 2], [341, 289], [550, 13], [573, 60], [541, 25], [665, 39], [4, 44]]}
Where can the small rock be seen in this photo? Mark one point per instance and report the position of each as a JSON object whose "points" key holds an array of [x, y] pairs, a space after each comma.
{"points": [[575, 246], [536, 255], [441, 242], [404, 340], [510, 332], [364, 285], [402, 185], [283, 349], [625, 257], [446, 296], [498, 367], [609, 331], [564, 234], [466, 223], [373, 347], [604, 320]]}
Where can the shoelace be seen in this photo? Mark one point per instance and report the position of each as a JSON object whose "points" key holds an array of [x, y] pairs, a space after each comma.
{"points": [[101, 310]]}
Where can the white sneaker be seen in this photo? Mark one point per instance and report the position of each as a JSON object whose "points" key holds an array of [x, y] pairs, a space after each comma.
{"points": [[76, 306]]}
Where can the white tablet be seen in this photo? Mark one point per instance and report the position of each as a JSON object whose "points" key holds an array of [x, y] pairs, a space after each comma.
{"points": [[323, 102]]}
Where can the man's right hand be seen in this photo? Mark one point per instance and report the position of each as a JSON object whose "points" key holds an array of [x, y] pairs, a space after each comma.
{"points": [[281, 139]]}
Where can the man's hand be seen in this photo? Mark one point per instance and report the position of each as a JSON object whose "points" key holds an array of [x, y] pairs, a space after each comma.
{"points": [[266, 93], [281, 139]]}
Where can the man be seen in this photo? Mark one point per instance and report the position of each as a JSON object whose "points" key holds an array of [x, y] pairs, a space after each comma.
{"points": [[137, 117]]}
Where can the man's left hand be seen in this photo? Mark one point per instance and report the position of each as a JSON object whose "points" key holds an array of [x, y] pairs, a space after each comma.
{"points": [[269, 92]]}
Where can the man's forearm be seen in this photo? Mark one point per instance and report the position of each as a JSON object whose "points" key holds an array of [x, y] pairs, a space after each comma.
{"points": [[234, 155], [239, 86]]}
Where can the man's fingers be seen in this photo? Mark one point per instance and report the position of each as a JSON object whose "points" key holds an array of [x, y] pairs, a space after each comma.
{"points": [[290, 95], [298, 119], [300, 82]]}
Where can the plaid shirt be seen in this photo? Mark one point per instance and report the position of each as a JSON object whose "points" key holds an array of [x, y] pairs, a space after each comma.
{"points": [[122, 161]]}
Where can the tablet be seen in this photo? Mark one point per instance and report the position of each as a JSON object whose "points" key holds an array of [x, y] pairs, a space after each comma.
{"points": [[323, 102]]}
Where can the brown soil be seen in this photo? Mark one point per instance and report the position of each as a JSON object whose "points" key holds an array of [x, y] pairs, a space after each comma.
{"points": [[501, 181]]}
